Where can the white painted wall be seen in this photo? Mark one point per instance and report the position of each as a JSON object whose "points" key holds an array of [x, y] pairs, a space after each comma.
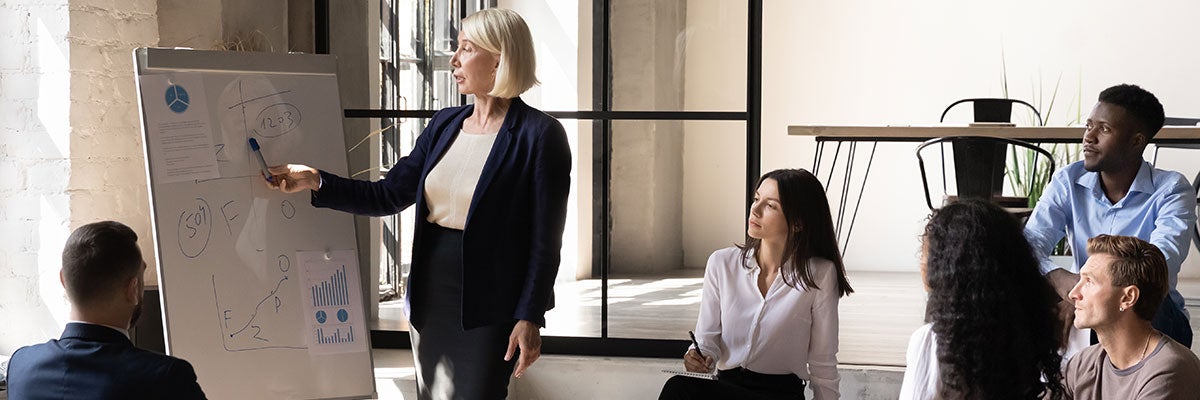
{"points": [[879, 62]]}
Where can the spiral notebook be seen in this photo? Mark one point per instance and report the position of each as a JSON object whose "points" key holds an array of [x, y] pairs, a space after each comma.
{"points": [[701, 375]]}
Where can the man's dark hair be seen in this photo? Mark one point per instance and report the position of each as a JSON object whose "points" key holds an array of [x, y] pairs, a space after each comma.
{"points": [[1140, 104], [98, 260]]}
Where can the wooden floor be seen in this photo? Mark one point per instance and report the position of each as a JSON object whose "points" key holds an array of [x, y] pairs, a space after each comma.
{"points": [[876, 320]]}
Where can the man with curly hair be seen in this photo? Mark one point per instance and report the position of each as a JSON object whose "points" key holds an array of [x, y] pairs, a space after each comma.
{"points": [[1115, 191], [1119, 292]]}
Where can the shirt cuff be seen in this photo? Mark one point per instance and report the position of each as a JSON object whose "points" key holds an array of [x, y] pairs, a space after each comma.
{"points": [[1047, 266]]}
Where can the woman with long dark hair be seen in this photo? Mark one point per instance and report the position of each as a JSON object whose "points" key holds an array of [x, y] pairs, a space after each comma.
{"points": [[769, 308], [991, 316]]}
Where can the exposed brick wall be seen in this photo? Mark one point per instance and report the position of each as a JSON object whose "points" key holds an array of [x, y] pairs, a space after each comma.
{"points": [[107, 175], [34, 165], [70, 147]]}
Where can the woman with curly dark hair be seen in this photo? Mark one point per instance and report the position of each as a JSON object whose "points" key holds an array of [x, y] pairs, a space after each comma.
{"points": [[991, 331]]}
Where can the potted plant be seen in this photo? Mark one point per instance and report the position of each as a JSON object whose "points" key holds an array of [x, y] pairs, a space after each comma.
{"points": [[1028, 173]]}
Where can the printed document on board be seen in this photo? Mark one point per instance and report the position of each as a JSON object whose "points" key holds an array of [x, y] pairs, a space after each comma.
{"points": [[178, 128], [332, 301]]}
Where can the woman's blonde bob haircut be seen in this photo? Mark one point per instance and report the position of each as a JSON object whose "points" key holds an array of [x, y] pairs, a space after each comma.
{"points": [[503, 32]]}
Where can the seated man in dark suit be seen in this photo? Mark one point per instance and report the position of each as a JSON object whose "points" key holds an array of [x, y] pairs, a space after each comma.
{"points": [[94, 359]]}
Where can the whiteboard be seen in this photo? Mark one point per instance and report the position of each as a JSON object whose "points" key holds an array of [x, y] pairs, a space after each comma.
{"points": [[249, 278]]}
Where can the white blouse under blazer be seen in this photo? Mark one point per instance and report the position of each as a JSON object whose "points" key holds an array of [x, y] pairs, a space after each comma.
{"points": [[791, 330]]}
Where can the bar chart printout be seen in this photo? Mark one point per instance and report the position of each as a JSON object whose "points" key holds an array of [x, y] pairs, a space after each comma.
{"points": [[332, 291], [333, 302]]}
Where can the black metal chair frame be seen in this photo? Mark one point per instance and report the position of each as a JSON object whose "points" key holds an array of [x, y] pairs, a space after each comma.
{"points": [[1174, 121], [1002, 143], [983, 114]]}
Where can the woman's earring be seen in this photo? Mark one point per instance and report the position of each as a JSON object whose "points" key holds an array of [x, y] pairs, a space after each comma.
{"points": [[1122, 308]]}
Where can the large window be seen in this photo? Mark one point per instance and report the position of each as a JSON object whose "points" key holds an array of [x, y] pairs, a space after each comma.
{"points": [[660, 101], [417, 39]]}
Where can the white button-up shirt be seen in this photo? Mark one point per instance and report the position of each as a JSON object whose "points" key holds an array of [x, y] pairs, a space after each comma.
{"points": [[790, 330]]}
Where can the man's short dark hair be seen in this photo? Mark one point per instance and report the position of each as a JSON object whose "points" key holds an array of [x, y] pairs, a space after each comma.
{"points": [[1145, 109], [99, 259]]}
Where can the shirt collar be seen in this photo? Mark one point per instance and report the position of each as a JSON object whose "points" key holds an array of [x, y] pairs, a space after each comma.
{"points": [[752, 262], [1143, 182], [122, 330]]}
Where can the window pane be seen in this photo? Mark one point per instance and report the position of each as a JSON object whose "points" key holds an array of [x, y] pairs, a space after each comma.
{"points": [[679, 55], [677, 195], [562, 36]]}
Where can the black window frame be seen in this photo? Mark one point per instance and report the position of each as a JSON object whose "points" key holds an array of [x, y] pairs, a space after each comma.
{"points": [[602, 118]]}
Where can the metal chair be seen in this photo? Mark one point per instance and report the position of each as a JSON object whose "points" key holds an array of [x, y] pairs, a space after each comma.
{"points": [[1176, 121], [979, 169], [992, 109], [979, 161]]}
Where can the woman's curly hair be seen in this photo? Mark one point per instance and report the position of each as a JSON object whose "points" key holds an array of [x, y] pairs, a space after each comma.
{"points": [[994, 315]]}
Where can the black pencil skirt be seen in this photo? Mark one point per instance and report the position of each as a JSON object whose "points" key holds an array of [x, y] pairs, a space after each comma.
{"points": [[452, 363]]}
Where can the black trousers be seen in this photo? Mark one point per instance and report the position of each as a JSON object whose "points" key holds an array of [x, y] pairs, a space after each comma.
{"points": [[453, 363], [737, 383]]}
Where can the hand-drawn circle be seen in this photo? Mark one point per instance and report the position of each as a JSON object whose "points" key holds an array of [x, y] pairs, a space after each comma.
{"points": [[343, 315], [277, 119], [285, 263], [288, 209], [321, 317], [194, 228]]}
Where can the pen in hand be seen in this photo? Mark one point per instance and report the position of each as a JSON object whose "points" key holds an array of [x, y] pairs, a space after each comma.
{"points": [[262, 164], [697, 344]]}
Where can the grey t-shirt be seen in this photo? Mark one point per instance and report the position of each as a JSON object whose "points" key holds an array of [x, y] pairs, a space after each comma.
{"points": [[1171, 371]]}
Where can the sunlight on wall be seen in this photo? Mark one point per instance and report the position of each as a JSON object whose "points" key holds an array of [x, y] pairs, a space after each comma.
{"points": [[52, 234], [53, 89]]}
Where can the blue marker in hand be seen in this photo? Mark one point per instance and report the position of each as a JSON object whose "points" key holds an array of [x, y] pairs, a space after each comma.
{"points": [[261, 163]]}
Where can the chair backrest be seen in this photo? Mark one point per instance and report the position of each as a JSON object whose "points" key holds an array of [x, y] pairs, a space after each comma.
{"points": [[980, 163], [1175, 121], [992, 109]]}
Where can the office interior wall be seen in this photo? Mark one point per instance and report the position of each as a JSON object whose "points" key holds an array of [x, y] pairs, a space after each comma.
{"points": [[647, 156], [886, 63], [70, 146]]}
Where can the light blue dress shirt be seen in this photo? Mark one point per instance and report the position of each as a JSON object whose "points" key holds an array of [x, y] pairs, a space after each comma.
{"points": [[1159, 208]]}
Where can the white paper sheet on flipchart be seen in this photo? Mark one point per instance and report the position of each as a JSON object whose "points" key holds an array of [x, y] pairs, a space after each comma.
{"points": [[180, 132], [326, 320]]}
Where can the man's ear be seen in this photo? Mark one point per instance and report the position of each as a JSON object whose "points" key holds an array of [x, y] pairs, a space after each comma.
{"points": [[133, 291], [1130, 296], [1139, 140]]}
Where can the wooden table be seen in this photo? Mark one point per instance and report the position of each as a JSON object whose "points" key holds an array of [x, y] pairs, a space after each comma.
{"points": [[850, 136], [1036, 134]]}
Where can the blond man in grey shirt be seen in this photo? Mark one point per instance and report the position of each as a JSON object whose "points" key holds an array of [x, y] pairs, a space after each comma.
{"points": [[1120, 288]]}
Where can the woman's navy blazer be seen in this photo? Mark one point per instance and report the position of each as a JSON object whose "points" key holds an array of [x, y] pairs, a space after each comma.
{"points": [[513, 233]]}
